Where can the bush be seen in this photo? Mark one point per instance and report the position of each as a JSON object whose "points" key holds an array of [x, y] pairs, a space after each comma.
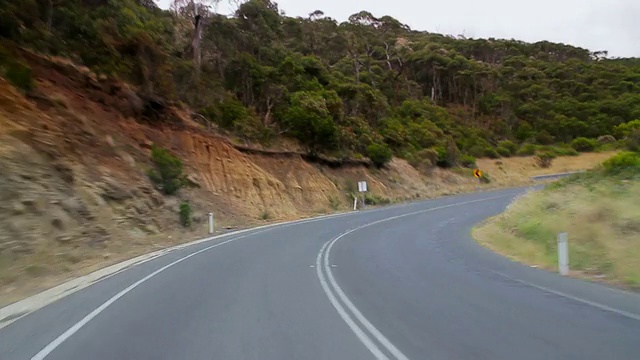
{"points": [[467, 161], [632, 141], [20, 76], [509, 146], [379, 154], [491, 153], [623, 162], [545, 159], [485, 179], [334, 203], [448, 156], [565, 151], [168, 172], [527, 150], [544, 138], [371, 199], [503, 151], [185, 214], [583, 144]]}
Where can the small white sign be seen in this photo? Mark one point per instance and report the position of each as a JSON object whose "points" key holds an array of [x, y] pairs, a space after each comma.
{"points": [[362, 186]]}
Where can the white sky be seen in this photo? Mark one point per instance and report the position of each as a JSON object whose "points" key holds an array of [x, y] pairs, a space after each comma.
{"points": [[592, 24]]}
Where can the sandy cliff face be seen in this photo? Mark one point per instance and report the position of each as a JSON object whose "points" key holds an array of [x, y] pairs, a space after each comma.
{"points": [[74, 194]]}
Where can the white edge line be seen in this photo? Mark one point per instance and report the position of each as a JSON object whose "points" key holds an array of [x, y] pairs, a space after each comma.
{"points": [[77, 326], [72, 330], [35, 302], [368, 343], [574, 298]]}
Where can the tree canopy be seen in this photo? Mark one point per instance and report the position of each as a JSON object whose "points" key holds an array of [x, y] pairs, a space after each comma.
{"points": [[363, 86]]}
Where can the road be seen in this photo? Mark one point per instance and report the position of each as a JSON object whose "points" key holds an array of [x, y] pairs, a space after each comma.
{"points": [[403, 282]]}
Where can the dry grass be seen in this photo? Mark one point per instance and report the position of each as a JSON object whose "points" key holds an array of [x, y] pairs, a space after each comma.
{"points": [[601, 216], [517, 170]]}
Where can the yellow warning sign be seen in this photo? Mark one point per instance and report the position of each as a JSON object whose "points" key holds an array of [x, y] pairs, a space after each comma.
{"points": [[477, 173]]}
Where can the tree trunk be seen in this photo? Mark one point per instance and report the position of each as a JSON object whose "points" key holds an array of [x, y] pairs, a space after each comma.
{"points": [[195, 44], [50, 15]]}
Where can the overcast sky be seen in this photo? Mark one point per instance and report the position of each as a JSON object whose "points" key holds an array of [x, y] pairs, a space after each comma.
{"points": [[592, 24]]}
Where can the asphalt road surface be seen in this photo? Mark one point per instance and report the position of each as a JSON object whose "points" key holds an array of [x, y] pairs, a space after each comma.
{"points": [[403, 282]]}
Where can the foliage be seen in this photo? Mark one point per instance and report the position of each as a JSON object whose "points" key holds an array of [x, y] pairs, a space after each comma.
{"points": [[18, 73], [507, 148], [379, 154], [633, 141], [467, 161], [168, 171], [334, 203], [624, 130], [545, 159], [623, 162], [582, 144], [373, 199], [185, 214], [339, 87], [527, 149]]}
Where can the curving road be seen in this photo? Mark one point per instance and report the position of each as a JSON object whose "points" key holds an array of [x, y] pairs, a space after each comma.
{"points": [[404, 282]]}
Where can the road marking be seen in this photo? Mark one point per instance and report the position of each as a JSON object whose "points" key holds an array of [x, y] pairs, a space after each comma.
{"points": [[366, 340], [571, 297], [77, 326]]}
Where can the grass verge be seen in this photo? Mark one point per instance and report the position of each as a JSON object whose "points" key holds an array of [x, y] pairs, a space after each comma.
{"points": [[599, 209]]}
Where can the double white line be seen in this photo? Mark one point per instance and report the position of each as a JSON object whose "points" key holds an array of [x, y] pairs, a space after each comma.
{"points": [[331, 287], [364, 330]]}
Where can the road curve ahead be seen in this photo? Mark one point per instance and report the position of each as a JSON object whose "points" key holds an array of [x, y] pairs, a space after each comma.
{"points": [[404, 282]]}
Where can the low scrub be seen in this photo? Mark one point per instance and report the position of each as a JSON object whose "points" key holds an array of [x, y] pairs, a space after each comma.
{"points": [[167, 174], [599, 210]]}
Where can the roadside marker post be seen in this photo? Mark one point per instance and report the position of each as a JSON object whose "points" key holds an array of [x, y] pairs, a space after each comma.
{"points": [[362, 188], [563, 253], [211, 225]]}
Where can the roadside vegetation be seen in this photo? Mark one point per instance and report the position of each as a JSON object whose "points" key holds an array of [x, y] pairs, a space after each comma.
{"points": [[367, 87], [599, 209]]}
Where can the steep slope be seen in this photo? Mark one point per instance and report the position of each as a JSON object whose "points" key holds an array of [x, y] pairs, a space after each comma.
{"points": [[74, 194]]}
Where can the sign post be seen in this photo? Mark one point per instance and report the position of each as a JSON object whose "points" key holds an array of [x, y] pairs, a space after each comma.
{"points": [[362, 188]]}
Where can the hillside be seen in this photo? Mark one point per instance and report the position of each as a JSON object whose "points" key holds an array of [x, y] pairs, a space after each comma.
{"points": [[368, 87], [106, 105]]}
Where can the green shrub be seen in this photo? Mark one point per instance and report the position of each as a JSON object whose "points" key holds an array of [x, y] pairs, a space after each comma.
{"points": [[265, 215], [185, 214], [467, 161], [583, 144], [624, 130], [379, 154], [449, 155], [168, 171], [527, 149], [20, 76], [503, 151], [477, 151], [334, 203], [632, 141], [510, 146], [485, 178], [544, 138], [565, 151], [491, 153], [545, 159], [17, 73], [372, 199], [624, 162]]}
